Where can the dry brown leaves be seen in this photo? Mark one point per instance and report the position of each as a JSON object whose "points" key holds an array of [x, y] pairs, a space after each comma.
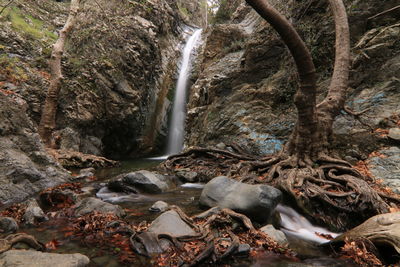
{"points": [[15, 211], [96, 229], [358, 252]]}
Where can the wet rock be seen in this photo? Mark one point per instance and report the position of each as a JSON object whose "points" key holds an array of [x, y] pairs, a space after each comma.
{"points": [[188, 176], [170, 222], [91, 204], [387, 167], [85, 173], [276, 235], [255, 201], [33, 214], [120, 186], [8, 225], [243, 249], [107, 195], [159, 206], [29, 258], [146, 181], [394, 133]]}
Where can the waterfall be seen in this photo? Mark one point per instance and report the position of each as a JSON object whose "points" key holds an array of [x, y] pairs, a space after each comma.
{"points": [[176, 130]]}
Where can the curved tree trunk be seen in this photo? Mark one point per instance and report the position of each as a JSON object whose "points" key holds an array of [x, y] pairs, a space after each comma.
{"points": [[305, 98], [311, 136], [331, 106], [48, 118]]}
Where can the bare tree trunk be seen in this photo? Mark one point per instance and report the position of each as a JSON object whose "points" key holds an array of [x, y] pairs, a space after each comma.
{"points": [[305, 98], [313, 131], [48, 118], [331, 106]]}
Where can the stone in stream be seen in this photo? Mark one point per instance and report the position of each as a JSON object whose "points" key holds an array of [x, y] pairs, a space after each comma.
{"points": [[147, 182], [30, 258], [276, 235], [33, 214], [187, 175], [8, 225], [255, 201], [91, 204], [171, 223], [159, 206]]}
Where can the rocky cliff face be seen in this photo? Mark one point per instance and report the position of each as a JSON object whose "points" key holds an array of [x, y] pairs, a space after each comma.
{"points": [[119, 59], [247, 78], [25, 167]]}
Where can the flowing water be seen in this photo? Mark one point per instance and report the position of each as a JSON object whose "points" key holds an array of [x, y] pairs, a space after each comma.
{"points": [[176, 129]]}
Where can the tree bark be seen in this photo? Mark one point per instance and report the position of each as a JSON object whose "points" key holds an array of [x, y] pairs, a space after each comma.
{"points": [[333, 103], [305, 98], [311, 136], [48, 118]]}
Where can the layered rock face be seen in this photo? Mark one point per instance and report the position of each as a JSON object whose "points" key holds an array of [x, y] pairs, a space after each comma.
{"points": [[120, 60], [25, 167], [247, 79]]}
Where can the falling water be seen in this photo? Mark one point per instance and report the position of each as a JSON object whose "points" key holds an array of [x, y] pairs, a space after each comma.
{"points": [[177, 125], [295, 224]]}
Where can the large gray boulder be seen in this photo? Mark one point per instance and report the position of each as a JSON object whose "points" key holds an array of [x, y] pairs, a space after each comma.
{"points": [[171, 223], [91, 204], [387, 167], [30, 258], [146, 181], [255, 201]]}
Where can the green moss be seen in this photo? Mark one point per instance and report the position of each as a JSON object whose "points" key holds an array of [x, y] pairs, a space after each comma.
{"points": [[12, 70], [28, 25]]}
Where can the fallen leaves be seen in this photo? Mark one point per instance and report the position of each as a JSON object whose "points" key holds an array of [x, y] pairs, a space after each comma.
{"points": [[357, 251]]}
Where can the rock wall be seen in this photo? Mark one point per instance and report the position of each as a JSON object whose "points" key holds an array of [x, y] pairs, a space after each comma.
{"points": [[119, 58], [244, 91], [25, 167]]}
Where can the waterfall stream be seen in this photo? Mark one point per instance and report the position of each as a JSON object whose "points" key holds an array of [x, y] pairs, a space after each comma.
{"points": [[177, 125]]}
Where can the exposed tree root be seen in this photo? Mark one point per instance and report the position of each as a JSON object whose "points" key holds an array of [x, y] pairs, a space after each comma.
{"points": [[220, 232], [9, 241], [326, 188]]}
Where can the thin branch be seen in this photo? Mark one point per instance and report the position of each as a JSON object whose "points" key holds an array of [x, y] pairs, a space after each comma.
{"points": [[9, 3], [384, 12]]}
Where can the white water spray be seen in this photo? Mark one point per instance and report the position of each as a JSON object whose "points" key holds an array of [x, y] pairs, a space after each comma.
{"points": [[177, 125], [295, 224]]}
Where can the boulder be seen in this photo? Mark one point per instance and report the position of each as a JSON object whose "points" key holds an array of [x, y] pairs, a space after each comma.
{"points": [[171, 223], [394, 133], [33, 213], [159, 206], [255, 201], [276, 235], [30, 258], [91, 204], [187, 176], [8, 225], [386, 167], [146, 181]]}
